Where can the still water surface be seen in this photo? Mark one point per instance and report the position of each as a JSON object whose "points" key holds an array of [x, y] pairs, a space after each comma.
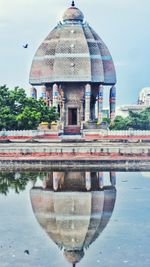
{"points": [[72, 218]]}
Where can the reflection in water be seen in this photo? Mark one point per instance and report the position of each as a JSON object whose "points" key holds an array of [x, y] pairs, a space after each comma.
{"points": [[74, 208], [16, 181]]}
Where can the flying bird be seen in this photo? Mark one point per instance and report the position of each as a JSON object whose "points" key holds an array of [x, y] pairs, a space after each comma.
{"points": [[25, 46], [27, 252]]}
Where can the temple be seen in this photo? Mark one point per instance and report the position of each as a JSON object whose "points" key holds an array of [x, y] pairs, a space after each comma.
{"points": [[73, 66]]}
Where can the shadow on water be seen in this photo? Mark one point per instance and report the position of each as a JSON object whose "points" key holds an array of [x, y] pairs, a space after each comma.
{"points": [[73, 208]]}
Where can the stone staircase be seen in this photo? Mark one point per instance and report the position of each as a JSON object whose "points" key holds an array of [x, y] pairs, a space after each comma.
{"points": [[72, 130]]}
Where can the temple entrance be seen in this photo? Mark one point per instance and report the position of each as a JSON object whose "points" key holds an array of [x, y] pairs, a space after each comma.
{"points": [[72, 116]]}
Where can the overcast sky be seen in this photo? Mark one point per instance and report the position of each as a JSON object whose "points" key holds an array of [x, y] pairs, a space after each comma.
{"points": [[122, 24]]}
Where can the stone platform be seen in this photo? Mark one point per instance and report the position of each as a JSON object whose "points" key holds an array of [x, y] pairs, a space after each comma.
{"points": [[74, 154]]}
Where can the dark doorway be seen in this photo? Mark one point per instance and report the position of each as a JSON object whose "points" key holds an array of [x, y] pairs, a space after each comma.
{"points": [[72, 116], [59, 110]]}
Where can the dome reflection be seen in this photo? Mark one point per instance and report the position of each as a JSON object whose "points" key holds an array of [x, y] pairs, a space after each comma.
{"points": [[74, 208]]}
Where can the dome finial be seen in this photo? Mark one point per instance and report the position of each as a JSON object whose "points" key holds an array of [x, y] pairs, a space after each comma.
{"points": [[73, 3]]}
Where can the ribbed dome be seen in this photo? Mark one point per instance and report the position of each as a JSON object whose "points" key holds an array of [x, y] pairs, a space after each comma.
{"points": [[85, 216], [73, 13], [72, 52]]}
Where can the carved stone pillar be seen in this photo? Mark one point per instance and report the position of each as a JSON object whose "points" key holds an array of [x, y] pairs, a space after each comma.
{"points": [[96, 108], [87, 102], [62, 113], [55, 96], [48, 97], [43, 92], [112, 100], [81, 110], [113, 178], [33, 92], [88, 180], [55, 181], [100, 104], [101, 179]]}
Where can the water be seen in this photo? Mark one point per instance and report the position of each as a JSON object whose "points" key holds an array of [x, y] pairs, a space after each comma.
{"points": [[53, 219]]}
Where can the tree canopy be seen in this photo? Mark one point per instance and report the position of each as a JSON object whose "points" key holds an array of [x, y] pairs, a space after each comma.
{"points": [[19, 112], [135, 120]]}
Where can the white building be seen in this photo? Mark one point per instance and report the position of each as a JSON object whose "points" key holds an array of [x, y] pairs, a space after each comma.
{"points": [[123, 110], [144, 97], [143, 102]]}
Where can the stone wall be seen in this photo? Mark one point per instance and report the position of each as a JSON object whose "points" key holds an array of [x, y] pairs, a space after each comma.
{"points": [[54, 155], [71, 149], [60, 165]]}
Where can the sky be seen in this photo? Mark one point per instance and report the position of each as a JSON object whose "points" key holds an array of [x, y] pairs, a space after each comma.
{"points": [[122, 24]]}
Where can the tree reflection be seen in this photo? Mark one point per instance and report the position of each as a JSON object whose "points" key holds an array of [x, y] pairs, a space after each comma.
{"points": [[17, 181]]}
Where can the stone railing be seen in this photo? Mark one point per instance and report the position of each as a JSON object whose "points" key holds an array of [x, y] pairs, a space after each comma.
{"points": [[34, 133], [129, 133], [27, 133]]}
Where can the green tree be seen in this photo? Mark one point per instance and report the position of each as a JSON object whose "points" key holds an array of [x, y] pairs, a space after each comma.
{"points": [[135, 120], [145, 119], [120, 123], [19, 112]]}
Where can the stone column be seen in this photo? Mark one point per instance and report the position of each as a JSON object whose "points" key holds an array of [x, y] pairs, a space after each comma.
{"points": [[55, 96], [81, 115], [87, 102], [88, 180], [112, 100], [48, 97], [62, 104], [81, 110], [113, 178], [43, 92], [33, 92], [100, 104], [101, 179], [96, 108], [62, 113], [55, 181]]}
